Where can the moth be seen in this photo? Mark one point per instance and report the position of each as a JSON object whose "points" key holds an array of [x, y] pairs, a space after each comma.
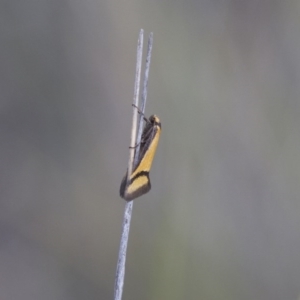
{"points": [[138, 182]]}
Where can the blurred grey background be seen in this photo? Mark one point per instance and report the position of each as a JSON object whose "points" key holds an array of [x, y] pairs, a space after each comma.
{"points": [[222, 220]]}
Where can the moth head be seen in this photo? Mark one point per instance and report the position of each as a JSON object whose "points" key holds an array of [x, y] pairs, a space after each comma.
{"points": [[155, 120]]}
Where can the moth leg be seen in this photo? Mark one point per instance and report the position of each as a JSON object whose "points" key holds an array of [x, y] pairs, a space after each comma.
{"points": [[141, 142], [141, 113], [135, 146]]}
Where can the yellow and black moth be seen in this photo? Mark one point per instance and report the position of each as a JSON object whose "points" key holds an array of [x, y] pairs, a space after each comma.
{"points": [[138, 182]]}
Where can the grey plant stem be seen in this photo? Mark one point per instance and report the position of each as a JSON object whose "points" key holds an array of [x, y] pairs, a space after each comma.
{"points": [[133, 154], [144, 92]]}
